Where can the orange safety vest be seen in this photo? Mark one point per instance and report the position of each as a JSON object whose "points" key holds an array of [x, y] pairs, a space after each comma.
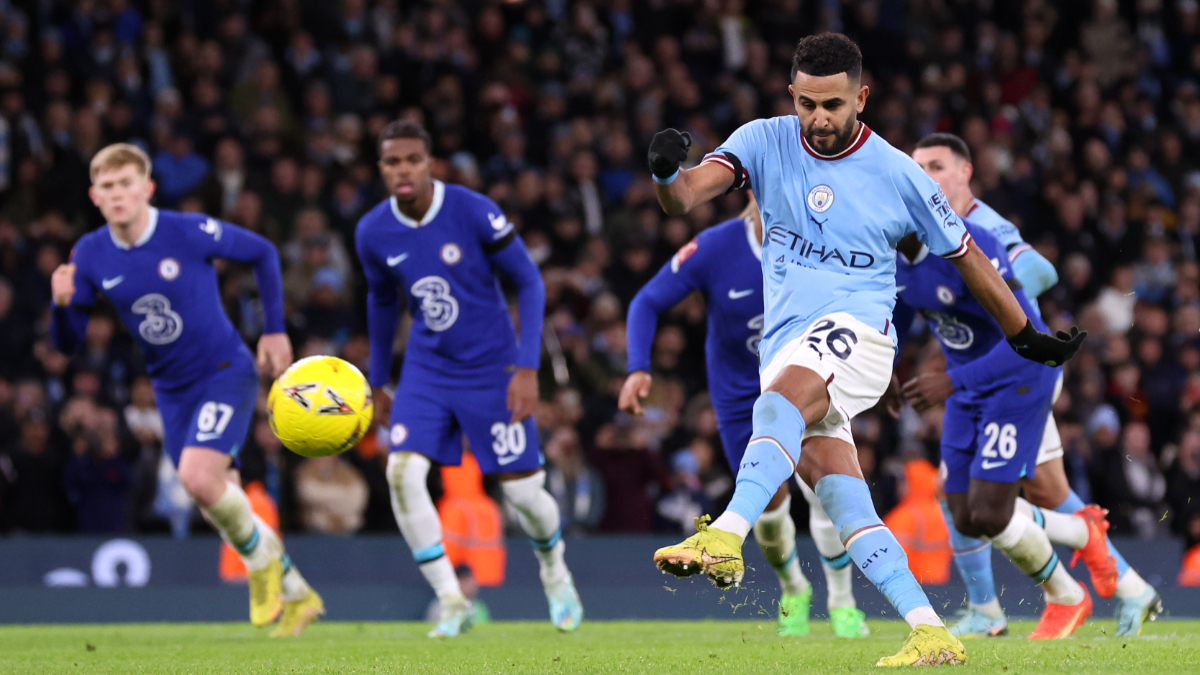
{"points": [[918, 525], [1189, 572], [472, 527], [231, 566]]}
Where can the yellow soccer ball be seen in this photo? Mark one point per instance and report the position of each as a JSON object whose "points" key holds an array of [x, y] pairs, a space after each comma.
{"points": [[320, 406]]}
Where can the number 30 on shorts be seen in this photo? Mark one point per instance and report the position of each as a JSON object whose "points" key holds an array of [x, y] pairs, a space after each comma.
{"points": [[508, 441], [1000, 438]]}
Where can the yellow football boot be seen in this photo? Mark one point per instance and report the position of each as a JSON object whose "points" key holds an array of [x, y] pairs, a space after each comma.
{"points": [[297, 614], [715, 552], [265, 587], [927, 646]]}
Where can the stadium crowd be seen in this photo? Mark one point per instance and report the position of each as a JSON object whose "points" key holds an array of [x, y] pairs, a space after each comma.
{"points": [[1083, 120]]}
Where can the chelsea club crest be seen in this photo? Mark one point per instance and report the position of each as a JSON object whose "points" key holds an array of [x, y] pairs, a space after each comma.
{"points": [[820, 198]]}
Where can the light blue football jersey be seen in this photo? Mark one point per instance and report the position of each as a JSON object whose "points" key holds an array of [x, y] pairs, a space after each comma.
{"points": [[831, 224], [1000, 227]]}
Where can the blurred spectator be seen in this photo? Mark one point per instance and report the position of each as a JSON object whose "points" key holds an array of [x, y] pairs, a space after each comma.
{"points": [[1183, 483], [97, 479], [575, 485], [632, 474], [35, 499], [678, 509], [1136, 485], [331, 495], [178, 170]]}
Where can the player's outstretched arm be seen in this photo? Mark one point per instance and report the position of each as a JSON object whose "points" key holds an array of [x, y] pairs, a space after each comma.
{"points": [[668, 288], [990, 289], [680, 190]]}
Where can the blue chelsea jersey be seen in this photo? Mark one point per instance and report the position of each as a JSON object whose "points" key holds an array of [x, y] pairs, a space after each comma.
{"points": [[166, 292], [967, 332], [722, 263], [461, 322], [831, 223]]}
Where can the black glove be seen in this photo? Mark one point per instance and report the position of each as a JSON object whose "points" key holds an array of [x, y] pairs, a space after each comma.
{"points": [[1045, 349], [668, 150]]}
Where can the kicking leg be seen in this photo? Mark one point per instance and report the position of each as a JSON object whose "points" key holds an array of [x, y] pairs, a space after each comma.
{"points": [[844, 616], [539, 517], [775, 532], [422, 531]]}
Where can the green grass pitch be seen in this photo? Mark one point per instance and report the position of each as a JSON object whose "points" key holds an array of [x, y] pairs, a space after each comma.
{"points": [[727, 647]]}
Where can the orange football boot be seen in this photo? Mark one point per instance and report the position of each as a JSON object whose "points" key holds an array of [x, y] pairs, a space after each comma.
{"points": [[1100, 563], [1060, 621]]}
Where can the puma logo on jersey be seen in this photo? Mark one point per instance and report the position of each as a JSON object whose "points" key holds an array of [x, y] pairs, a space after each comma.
{"points": [[735, 295], [393, 260], [110, 283]]}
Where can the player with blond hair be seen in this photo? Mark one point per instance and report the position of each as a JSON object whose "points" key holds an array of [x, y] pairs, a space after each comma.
{"points": [[156, 268]]}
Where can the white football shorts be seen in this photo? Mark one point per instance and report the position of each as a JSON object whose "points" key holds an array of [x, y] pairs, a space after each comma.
{"points": [[855, 361]]}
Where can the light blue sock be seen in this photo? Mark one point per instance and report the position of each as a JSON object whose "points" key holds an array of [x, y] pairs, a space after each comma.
{"points": [[1072, 504], [770, 457], [973, 558], [871, 545]]}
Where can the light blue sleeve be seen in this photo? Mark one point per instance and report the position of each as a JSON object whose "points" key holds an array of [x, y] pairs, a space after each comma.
{"points": [[1036, 274], [936, 224], [746, 145]]}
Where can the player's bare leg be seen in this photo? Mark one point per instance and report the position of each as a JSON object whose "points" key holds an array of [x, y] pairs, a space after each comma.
{"points": [[775, 532], [540, 518], [1070, 522], [989, 510], [274, 581], [422, 530]]}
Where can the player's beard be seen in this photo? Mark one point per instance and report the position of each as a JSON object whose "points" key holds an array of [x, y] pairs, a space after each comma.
{"points": [[841, 138]]}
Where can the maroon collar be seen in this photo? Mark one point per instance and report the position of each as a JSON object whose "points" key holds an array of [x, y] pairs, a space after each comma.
{"points": [[864, 132], [974, 205]]}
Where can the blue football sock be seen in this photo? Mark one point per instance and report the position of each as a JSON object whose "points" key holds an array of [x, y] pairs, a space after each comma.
{"points": [[770, 457], [1072, 504], [973, 558], [847, 501]]}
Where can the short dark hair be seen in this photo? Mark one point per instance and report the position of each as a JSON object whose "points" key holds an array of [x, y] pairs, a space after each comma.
{"points": [[405, 129], [942, 140], [827, 54]]}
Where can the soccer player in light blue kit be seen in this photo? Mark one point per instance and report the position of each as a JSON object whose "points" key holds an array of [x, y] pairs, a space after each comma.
{"points": [[947, 160], [442, 248], [156, 268], [835, 200], [997, 404], [733, 296]]}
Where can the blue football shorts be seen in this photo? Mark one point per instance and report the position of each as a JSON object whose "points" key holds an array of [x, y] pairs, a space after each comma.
{"points": [[213, 412], [995, 437], [430, 417], [735, 434]]}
